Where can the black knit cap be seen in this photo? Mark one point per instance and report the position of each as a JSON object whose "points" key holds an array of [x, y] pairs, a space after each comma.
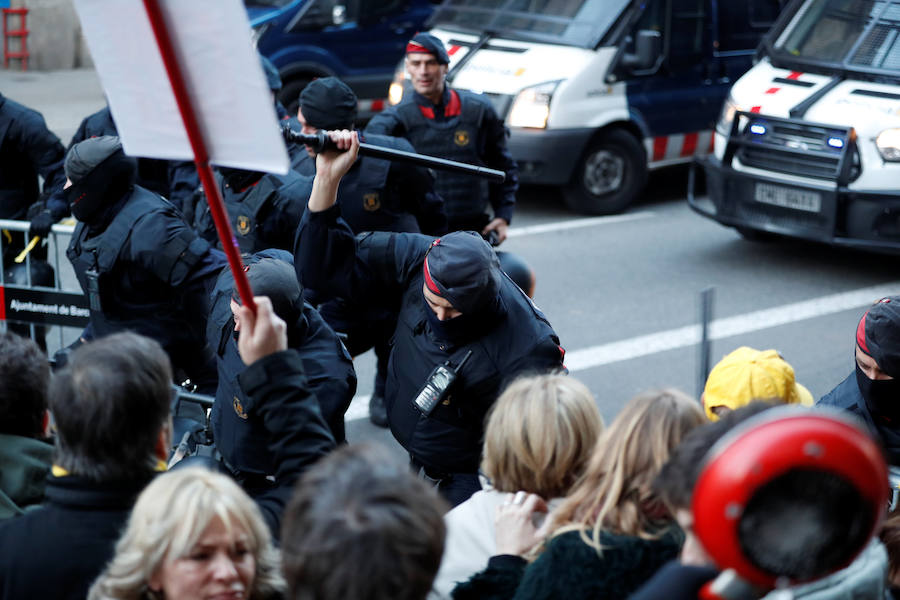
{"points": [[463, 268], [84, 156], [878, 334], [276, 279], [328, 103], [429, 44]]}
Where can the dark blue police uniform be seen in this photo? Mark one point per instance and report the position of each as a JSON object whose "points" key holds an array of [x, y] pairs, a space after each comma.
{"points": [[387, 269], [463, 127], [145, 270], [264, 212], [239, 432]]}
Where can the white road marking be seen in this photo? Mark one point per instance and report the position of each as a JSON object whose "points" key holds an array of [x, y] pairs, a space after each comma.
{"points": [[681, 337], [577, 223], [689, 335]]}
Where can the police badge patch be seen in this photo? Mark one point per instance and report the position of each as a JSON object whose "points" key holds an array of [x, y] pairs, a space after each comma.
{"points": [[371, 202], [461, 137], [243, 224], [238, 408]]}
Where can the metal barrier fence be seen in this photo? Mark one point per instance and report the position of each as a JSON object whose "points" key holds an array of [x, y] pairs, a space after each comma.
{"points": [[62, 308]]}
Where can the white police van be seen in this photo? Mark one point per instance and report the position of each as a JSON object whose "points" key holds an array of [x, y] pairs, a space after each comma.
{"points": [[595, 92], [808, 144]]}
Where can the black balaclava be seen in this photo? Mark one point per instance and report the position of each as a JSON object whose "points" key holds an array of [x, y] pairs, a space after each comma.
{"points": [[101, 175], [878, 336], [328, 103], [463, 269]]}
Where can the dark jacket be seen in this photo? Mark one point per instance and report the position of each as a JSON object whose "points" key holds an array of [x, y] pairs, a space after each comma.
{"points": [[386, 270], [24, 464], [462, 127], [28, 149], [57, 551], [570, 568], [297, 434], [846, 396], [381, 195], [154, 277], [152, 173], [239, 432]]}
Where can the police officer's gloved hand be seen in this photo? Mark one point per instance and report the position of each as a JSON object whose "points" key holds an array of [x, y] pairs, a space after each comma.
{"points": [[41, 224]]}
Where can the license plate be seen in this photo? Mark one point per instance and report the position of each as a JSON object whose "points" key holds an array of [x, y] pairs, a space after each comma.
{"points": [[777, 195]]}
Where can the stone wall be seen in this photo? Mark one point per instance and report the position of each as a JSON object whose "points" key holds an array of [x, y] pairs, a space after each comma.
{"points": [[54, 39]]}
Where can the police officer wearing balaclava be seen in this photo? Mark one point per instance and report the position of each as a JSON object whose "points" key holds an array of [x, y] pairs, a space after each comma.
{"points": [[458, 313], [375, 195], [873, 391], [139, 264]]}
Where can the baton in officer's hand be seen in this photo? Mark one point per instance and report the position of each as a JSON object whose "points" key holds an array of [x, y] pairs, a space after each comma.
{"points": [[320, 142]]}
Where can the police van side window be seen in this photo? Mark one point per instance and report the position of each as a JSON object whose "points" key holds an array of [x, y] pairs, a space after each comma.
{"points": [[685, 46], [741, 25]]}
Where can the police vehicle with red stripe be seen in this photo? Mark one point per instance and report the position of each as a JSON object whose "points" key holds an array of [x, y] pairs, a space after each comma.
{"points": [[596, 92], [808, 143]]}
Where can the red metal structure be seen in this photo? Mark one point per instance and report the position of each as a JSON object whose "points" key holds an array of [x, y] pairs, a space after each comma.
{"points": [[21, 33]]}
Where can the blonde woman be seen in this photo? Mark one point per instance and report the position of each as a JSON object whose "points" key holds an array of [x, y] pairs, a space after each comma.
{"points": [[611, 533], [539, 437], [192, 534]]}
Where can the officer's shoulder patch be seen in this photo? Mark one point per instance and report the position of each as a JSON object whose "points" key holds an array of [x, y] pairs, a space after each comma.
{"points": [[243, 224], [371, 201], [461, 137], [239, 408]]}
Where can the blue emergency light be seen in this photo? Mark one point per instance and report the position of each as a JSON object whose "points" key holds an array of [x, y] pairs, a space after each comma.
{"points": [[758, 129], [835, 142]]}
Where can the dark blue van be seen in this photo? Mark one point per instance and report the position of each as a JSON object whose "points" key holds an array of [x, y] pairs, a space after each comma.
{"points": [[358, 41]]}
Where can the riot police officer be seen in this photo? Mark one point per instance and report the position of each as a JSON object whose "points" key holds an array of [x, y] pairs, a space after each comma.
{"points": [[464, 328], [239, 432], [140, 265]]}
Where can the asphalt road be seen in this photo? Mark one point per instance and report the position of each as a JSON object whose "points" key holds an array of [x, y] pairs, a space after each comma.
{"points": [[623, 291]]}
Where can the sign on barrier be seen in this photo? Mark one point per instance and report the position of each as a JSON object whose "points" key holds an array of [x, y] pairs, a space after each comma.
{"points": [[44, 307]]}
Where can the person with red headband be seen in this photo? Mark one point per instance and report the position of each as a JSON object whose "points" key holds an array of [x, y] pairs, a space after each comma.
{"points": [[872, 392], [462, 126], [463, 330]]}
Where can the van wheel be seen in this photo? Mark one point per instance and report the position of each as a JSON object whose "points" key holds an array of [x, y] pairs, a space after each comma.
{"points": [[611, 174]]}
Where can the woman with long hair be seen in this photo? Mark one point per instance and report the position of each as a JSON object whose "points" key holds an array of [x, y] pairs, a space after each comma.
{"points": [[611, 533], [193, 534], [539, 438]]}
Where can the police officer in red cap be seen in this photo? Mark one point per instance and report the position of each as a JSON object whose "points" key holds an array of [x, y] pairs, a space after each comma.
{"points": [[462, 126], [464, 328], [873, 390]]}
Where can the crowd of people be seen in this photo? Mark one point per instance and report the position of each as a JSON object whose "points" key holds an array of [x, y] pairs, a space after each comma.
{"points": [[514, 487]]}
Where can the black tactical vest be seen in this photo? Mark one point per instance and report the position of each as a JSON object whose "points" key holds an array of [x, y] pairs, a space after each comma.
{"points": [[457, 138], [117, 299]]}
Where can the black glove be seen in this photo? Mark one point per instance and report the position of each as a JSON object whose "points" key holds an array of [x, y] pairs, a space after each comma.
{"points": [[41, 224]]}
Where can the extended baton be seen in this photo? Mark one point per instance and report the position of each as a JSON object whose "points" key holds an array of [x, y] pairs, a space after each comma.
{"points": [[319, 141]]}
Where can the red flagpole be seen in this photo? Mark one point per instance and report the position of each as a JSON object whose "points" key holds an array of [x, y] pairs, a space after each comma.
{"points": [[201, 155]]}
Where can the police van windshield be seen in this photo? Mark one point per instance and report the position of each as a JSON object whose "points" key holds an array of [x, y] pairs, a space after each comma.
{"points": [[571, 22], [856, 35]]}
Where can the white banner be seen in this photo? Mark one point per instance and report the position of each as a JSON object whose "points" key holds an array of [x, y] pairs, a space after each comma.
{"points": [[222, 72]]}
